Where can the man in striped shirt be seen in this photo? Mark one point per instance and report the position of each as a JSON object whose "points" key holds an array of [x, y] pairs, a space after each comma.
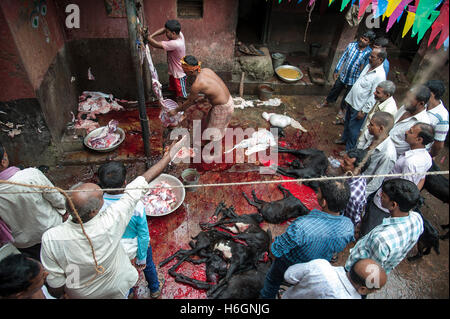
{"points": [[438, 115], [349, 68], [320, 234], [389, 243]]}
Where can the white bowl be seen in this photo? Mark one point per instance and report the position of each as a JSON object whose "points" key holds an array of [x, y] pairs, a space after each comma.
{"points": [[179, 192]]}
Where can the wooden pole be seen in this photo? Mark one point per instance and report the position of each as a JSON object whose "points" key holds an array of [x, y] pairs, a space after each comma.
{"points": [[132, 36]]}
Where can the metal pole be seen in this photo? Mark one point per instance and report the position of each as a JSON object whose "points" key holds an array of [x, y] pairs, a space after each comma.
{"points": [[132, 30]]}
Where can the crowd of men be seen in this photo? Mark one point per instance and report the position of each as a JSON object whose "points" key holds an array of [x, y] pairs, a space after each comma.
{"points": [[94, 246]]}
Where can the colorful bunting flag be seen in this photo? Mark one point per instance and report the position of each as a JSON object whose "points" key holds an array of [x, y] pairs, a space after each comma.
{"points": [[420, 16], [440, 25]]}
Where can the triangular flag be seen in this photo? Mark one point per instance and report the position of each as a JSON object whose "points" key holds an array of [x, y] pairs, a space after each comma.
{"points": [[363, 4], [381, 9], [425, 16], [344, 4], [409, 21], [440, 25], [396, 13]]}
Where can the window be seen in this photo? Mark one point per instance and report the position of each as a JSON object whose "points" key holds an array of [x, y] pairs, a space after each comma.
{"points": [[190, 9]]}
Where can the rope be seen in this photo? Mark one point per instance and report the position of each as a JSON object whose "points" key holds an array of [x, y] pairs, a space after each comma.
{"points": [[98, 268], [348, 175]]}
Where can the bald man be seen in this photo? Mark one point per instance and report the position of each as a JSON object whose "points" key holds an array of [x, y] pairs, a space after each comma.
{"points": [[318, 279], [66, 253]]}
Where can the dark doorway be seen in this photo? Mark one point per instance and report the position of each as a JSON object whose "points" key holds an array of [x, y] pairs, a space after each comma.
{"points": [[252, 21]]}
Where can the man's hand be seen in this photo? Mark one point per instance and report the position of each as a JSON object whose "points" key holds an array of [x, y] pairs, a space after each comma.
{"points": [[173, 112], [335, 76], [360, 115]]}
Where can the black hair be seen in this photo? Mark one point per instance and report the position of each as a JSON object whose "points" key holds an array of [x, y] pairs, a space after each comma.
{"points": [[16, 274], [437, 87], [382, 54], [402, 191], [191, 60], [173, 25], [381, 42], [426, 133], [422, 93], [112, 175], [336, 193], [2, 151], [369, 35], [359, 155]]}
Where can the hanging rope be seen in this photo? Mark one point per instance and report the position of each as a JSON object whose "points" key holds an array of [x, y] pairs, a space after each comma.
{"points": [[309, 19]]}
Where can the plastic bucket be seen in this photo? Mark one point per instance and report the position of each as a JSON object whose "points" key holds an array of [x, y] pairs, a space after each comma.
{"points": [[190, 176], [265, 92], [278, 59]]}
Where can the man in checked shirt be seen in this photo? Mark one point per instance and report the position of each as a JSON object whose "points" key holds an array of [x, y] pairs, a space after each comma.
{"points": [[348, 70], [390, 242], [357, 202]]}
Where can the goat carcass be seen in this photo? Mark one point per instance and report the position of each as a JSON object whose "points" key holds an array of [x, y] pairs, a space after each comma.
{"points": [[437, 185], [428, 240], [281, 210]]}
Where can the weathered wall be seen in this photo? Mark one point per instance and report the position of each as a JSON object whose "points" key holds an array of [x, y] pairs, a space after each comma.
{"points": [[210, 38], [34, 43]]}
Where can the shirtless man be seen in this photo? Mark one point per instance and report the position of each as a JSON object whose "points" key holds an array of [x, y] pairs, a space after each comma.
{"points": [[211, 86]]}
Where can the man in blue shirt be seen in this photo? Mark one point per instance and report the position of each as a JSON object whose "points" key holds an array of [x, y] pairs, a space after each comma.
{"points": [[349, 68], [320, 234], [136, 239]]}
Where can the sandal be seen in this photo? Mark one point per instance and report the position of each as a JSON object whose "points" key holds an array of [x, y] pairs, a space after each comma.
{"points": [[323, 104], [338, 121]]}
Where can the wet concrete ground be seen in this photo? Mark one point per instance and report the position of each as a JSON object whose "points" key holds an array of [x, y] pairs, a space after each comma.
{"points": [[426, 278]]}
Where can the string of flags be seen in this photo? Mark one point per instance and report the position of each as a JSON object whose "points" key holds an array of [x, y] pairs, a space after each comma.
{"points": [[420, 16]]}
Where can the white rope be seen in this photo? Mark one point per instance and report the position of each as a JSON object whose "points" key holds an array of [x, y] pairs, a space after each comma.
{"points": [[318, 179]]}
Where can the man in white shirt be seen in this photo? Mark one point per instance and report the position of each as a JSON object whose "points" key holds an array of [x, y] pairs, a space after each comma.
{"points": [[361, 99], [416, 160], [318, 279], [28, 215], [384, 103], [383, 154], [438, 115], [412, 112], [68, 256]]}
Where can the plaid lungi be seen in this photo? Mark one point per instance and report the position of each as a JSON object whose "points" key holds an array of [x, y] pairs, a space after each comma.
{"points": [[219, 117]]}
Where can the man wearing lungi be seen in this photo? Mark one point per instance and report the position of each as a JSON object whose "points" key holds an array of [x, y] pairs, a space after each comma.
{"points": [[208, 88]]}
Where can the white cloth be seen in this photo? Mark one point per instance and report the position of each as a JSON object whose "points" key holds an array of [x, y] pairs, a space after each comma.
{"points": [[413, 161], [318, 279], [382, 161], [439, 120], [65, 248], [397, 133], [389, 106], [361, 96], [30, 215]]}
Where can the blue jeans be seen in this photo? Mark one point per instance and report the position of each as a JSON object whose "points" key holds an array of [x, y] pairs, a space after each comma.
{"points": [[274, 278], [150, 272], [352, 127]]}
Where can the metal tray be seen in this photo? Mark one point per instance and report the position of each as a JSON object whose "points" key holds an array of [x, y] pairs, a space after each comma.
{"points": [[292, 68], [108, 149]]}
